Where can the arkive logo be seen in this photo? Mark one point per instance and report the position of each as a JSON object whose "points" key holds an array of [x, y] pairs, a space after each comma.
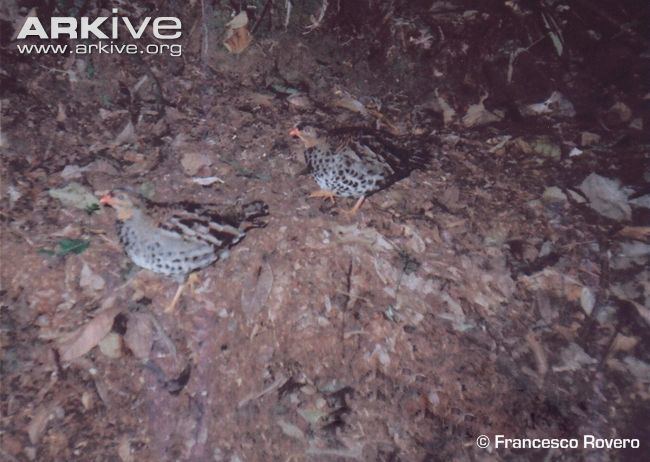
{"points": [[163, 28]]}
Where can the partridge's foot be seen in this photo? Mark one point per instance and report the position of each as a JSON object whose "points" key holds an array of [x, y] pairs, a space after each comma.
{"points": [[191, 280], [353, 211], [324, 194]]}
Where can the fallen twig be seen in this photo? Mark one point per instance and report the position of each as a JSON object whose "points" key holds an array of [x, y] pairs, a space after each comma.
{"points": [[288, 6], [253, 396], [259, 20]]}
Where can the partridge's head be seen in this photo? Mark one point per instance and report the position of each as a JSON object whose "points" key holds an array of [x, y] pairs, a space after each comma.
{"points": [[308, 134], [124, 203]]}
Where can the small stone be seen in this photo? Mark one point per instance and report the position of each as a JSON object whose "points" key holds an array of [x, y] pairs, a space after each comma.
{"points": [[637, 124], [89, 280], [622, 111], [111, 345], [87, 400], [30, 453], [588, 138], [553, 194], [192, 162], [71, 171], [587, 300]]}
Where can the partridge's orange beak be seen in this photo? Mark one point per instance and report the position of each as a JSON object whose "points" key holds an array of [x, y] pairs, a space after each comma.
{"points": [[294, 132], [106, 199]]}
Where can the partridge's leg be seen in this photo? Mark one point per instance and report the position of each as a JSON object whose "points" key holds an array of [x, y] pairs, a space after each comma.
{"points": [[323, 193], [191, 280], [353, 211]]}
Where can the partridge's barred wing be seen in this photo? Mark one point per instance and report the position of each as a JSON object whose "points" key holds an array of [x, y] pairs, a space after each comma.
{"points": [[402, 155], [203, 222]]}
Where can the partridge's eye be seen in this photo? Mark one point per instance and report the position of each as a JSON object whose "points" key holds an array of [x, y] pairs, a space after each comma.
{"points": [[301, 126]]}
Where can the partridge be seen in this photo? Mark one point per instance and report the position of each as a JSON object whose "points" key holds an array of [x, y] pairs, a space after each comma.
{"points": [[178, 239], [355, 162]]}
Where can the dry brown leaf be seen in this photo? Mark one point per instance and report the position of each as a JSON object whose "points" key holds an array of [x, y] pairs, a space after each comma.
{"points": [[624, 343], [523, 145], [238, 21], [636, 123], [126, 136], [639, 369], [39, 422], [441, 105], [255, 293], [89, 280], [291, 430], [622, 111], [607, 197], [139, 335], [347, 101], [111, 345], [299, 101], [193, 161], [556, 104], [639, 233], [574, 358], [539, 354], [261, 99], [477, 114], [237, 36], [414, 242], [61, 115], [450, 198], [588, 138], [124, 449], [552, 281], [352, 234], [88, 336]]}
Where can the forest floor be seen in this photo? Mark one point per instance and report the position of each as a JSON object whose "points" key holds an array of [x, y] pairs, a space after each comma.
{"points": [[486, 295]]}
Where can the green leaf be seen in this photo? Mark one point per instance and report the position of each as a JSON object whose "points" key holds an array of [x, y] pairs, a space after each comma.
{"points": [[147, 189], [90, 70], [75, 246], [105, 100], [92, 208]]}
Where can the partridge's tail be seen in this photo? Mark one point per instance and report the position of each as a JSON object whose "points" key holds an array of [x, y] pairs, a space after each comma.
{"points": [[403, 153], [418, 152], [407, 156], [251, 213]]}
